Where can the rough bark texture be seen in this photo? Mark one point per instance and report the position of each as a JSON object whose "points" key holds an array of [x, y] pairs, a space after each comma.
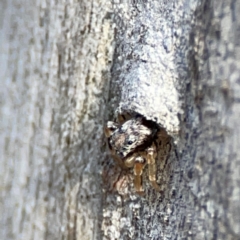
{"points": [[55, 59], [177, 64], [174, 62]]}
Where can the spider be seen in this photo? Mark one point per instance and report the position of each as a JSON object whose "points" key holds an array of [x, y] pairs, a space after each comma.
{"points": [[132, 144]]}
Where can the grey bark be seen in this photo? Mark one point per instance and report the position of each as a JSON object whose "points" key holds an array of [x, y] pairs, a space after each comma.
{"points": [[68, 67], [177, 64], [54, 74]]}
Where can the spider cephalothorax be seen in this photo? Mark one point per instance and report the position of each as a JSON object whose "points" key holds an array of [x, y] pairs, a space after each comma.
{"points": [[132, 144]]}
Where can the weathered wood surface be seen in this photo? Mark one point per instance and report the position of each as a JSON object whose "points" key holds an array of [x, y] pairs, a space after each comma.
{"points": [[54, 76], [175, 62]]}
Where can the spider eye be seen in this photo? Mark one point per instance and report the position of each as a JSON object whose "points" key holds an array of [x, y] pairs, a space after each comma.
{"points": [[130, 142]]}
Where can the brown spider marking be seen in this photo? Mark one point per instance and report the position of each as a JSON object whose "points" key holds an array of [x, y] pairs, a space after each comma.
{"points": [[133, 145]]}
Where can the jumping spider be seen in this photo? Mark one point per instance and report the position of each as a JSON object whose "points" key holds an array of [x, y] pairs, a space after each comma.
{"points": [[133, 145]]}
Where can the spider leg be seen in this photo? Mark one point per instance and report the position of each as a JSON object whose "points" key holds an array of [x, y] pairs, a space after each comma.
{"points": [[151, 155], [138, 170], [138, 163], [122, 118], [110, 128], [129, 162]]}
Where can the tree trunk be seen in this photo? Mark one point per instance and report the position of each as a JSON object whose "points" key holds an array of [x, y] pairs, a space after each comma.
{"points": [[176, 63], [54, 71], [67, 67]]}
